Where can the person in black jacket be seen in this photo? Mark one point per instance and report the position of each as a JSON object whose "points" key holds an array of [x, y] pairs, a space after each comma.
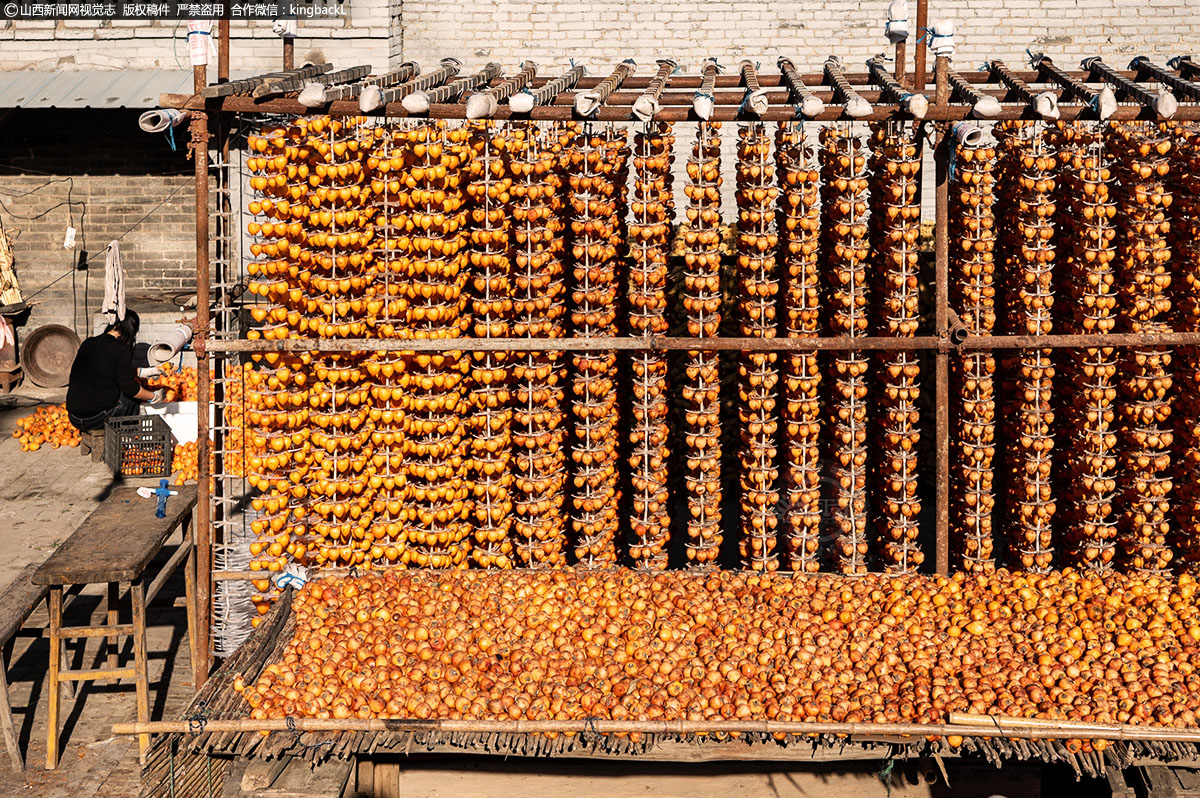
{"points": [[103, 381]]}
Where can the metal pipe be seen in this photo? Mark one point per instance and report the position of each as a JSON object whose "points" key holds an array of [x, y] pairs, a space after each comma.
{"points": [[856, 106], [483, 104], [609, 113], [418, 102], [1045, 103], [958, 331], [591, 101], [1144, 66], [373, 97], [223, 51], [247, 85], [681, 727], [1162, 102], [807, 103], [915, 103], [647, 105], [1102, 103], [204, 530], [527, 100], [918, 81], [942, 155], [983, 105]]}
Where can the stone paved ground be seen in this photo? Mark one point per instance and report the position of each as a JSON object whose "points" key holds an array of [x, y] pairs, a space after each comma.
{"points": [[44, 495]]}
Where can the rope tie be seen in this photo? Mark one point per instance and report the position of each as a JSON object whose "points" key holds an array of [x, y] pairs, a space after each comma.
{"points": [[198, 719], [885, 774], [291, 727]]}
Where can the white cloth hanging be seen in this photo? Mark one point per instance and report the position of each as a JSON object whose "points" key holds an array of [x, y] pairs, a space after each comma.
{"points": [[114, 283]]}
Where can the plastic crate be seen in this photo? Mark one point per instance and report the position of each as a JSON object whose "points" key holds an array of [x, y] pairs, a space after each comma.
{"points": [[138, 446]]}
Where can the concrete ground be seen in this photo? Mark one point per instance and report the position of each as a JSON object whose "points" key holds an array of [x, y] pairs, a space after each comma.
{"points": [[44, 495]]}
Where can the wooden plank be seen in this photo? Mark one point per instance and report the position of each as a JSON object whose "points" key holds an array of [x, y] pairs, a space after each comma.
{"points": [[261, 773], [141, 678], [298, 780], [55, 684], [6, 720], [96, 675], [387, 779], [111, 632], [112, 644], [182, 552], [117, 541], [18, 600]]}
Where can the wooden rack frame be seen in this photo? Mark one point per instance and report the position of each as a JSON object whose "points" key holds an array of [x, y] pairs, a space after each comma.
{"points": [[210, 115]]}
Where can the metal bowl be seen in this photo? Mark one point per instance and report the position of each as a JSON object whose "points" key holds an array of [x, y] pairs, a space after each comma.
{"points": [[47, 355]]}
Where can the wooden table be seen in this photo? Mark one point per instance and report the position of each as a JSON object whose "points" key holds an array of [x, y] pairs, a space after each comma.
{"points": [[115, 544]]}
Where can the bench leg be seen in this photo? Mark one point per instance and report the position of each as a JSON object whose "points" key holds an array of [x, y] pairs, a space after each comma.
{"points": [[189, 594], [111, 644], [6, 720], [137, 592], [55, 603]]}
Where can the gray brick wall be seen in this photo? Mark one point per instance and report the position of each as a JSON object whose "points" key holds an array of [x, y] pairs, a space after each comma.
{"points": [[133, 189]]}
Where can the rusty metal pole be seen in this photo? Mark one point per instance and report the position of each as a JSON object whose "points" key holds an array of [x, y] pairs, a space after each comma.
{"points": [[223, 51], [203, 603], [918, 82], [941, 156]]}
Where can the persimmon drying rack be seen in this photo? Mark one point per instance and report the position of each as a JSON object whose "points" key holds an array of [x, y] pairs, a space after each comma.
{"points": [[951, 100]]}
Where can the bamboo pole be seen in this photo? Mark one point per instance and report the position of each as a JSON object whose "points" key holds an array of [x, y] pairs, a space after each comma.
{"points": [[963, 725], [666, 343]]}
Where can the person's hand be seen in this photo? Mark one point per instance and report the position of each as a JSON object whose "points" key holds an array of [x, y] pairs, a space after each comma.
{"points": [[159, 395]]}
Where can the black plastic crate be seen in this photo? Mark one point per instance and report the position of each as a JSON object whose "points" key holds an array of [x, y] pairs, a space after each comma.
{"points": [[138, 446]]}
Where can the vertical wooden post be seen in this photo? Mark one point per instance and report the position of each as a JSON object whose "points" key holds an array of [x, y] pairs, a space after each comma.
{"points": [[918, 82], [189, 589], [942, 154], [11, 741], [141, 672], [112, 643], [55, 607], [289, 52], [200, 135], [901, 50]]}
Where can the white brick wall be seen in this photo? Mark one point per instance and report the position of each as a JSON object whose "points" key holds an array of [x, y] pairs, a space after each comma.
{"points": [[363, 39], [601, 33]]}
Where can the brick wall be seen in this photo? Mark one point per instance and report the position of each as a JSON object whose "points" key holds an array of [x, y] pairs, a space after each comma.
{"points": [[599, 34], [132, 188], [362, 38]]}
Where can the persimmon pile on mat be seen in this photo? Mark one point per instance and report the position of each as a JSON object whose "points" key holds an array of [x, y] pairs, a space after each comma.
{"points": [[734, 645]]}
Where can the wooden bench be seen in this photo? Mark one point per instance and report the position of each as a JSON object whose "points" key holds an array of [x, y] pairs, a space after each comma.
{"points": [[92, 443], [16, 603], [115, 544]]}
